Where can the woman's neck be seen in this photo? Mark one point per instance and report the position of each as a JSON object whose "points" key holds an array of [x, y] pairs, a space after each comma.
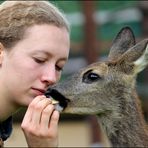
{"points": [[7, 107]]}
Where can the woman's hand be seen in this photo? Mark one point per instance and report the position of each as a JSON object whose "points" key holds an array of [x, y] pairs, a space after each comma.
{"points": [[40, 123]]}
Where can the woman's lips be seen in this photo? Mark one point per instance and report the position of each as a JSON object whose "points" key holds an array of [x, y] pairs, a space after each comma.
{"points": [[38, 91]]}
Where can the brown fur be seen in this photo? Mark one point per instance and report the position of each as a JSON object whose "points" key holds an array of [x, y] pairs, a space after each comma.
{"points": [[108, 89]]}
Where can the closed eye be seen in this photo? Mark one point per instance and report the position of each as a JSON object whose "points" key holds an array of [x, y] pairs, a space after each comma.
{"points": [[39, 61], [58, 68], [90, 77]]}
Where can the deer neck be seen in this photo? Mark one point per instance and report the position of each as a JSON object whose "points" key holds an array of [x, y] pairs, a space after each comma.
{"points": [[128, 128]]}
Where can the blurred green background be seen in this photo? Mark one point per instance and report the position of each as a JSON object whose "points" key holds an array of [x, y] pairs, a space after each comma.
{"points": [[107, 9]]}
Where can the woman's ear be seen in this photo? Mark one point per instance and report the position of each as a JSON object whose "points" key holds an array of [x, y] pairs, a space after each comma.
{"points": [[1, 53]]}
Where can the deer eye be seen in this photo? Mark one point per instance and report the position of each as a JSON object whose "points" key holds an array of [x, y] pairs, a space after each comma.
{"points": [[90, 77]]}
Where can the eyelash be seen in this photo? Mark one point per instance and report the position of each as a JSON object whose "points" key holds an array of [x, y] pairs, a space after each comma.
{"points": [[39, 61], [58, 68]]}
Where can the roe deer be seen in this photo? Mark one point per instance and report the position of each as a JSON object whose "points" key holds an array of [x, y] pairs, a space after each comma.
{"points": [[108, 89]]}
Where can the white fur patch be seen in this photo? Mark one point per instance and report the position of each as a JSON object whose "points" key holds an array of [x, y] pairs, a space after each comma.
{"points": [[142, 62], [58, 107]]}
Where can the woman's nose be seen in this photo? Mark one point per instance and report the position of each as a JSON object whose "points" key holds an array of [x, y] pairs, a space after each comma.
{"points": [[49, 76]]}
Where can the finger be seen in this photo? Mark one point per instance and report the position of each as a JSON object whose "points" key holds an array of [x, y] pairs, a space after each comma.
{"points": [[37, 113], [53, 124], [29, 112], [46, 115]]}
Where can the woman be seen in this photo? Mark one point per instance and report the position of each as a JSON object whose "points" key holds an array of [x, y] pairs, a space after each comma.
{"points": [[34, 47]]}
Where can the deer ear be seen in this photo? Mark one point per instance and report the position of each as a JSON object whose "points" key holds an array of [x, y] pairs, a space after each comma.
{"points": [[123, 41], [136, 56]]}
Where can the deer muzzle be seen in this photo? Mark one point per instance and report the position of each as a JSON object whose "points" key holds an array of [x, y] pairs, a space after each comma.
{"points": [[59, 100]]}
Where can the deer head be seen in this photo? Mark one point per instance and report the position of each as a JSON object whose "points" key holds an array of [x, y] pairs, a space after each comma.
{"points": [[104, 87]]}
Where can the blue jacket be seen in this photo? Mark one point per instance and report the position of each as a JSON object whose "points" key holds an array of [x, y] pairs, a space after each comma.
{"points": [[5, 128]]}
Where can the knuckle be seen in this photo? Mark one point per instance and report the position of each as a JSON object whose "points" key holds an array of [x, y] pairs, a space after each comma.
{"points": [[55, 119], [23, 126], [47, 134], [53, 135], [48, 109], [43, 134], [46, 112], [38, 107], [32, 105], [30, 130], [42, 104]]}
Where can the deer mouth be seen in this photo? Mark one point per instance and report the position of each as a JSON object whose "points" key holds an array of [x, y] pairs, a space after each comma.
{"points": [[62, 100]]}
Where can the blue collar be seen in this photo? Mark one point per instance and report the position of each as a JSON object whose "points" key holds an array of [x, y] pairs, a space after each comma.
{"points": [[6, 128]]}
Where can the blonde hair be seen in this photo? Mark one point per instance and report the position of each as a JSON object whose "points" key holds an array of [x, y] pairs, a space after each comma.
{"points": [[16, 16]]}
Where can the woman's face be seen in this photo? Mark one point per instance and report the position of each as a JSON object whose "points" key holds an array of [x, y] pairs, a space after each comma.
{"points": [[34, 63]]}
